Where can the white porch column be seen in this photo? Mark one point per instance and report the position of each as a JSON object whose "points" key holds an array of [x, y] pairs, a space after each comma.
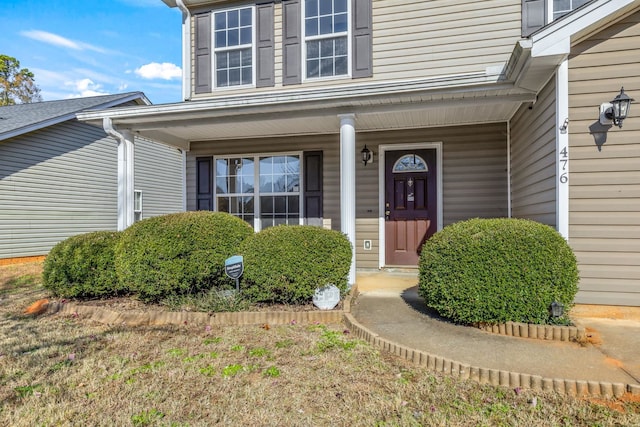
{"points": [[562, 149], [125, 141], [348, 185], [129, 176]]}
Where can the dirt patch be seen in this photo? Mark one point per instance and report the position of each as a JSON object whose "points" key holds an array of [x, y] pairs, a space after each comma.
{"points": [[619, 404], [593, 336], [613, 362]]}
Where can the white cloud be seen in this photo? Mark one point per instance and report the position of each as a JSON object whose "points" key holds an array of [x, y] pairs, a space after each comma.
{"points": [[85, 87], [154, 70], [57, 40]]}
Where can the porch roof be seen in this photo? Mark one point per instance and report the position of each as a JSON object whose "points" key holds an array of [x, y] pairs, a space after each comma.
{"points": [[456, 100]]}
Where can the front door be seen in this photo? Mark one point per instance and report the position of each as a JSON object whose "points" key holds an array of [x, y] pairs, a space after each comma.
{"points": [[410, 205]]}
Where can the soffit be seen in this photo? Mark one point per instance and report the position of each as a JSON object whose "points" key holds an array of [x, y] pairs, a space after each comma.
{"points": [[371, 114]]}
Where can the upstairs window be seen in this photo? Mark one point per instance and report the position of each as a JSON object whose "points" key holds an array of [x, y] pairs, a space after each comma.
{"points": [[326, 38], [233, 47], [562, 7]]}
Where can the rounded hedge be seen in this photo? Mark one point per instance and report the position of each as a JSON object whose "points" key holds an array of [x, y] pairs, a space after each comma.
{"points": [[82, 266], [288, 263], [178, 253], [497, 270]]}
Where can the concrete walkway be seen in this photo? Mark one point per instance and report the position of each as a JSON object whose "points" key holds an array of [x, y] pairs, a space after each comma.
{"points": [[389, 306]]}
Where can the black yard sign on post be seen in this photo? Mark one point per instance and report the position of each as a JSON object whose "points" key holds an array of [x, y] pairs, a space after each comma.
{"points": [[234, 267]]}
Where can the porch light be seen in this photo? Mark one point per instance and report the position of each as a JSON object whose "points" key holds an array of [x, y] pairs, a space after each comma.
{"points": [[367, 155], [557, 309], [617, 110]]}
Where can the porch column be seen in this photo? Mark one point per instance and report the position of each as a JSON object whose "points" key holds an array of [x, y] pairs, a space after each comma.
{"points": [[562, 149], [348, 185]]}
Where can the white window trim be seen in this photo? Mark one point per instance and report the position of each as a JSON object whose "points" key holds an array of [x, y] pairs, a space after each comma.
{"points": [[138, 211], [214, 49], [551, 11], [257, 224], [326, 36]]}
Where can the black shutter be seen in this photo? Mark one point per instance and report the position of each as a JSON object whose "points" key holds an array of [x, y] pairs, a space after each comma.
{"points": [[203, 53], [204, 183], [313, 187], [291, 43], [265, 46], [534, 16], [362, 39]]}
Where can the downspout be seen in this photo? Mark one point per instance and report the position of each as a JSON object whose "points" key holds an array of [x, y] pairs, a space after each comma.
{"points": [[184, 180], [186, 47], [125, 173]]}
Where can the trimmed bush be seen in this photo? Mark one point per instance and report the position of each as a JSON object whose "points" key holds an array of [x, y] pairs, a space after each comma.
{"points": [[287, 263], [497, 270], [82, 266], [178, 253]]}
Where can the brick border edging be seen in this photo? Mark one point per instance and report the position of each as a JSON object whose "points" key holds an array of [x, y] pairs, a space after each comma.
{"points": [[540, 332], [106, 316], [133, 318], [494, 377]]}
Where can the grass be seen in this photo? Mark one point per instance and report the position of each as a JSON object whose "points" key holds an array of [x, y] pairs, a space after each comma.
{"points": [[57, 370]]}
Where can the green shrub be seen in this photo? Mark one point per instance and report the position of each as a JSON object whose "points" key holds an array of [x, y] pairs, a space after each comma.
{"points": [[178, 253], [287, 263], [497, 270], [82, 266]]}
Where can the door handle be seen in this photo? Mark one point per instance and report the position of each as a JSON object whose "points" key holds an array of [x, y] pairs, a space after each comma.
{"points": [[387, 212]]}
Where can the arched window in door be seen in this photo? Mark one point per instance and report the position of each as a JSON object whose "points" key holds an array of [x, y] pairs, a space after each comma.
{"points": [[410, 163]]}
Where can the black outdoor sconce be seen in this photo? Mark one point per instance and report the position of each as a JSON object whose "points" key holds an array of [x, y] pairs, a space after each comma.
{"points": [[617, 110], [367, 155], [557, 309]]}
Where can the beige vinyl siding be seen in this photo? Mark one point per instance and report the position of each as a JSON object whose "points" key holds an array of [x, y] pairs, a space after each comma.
{"points": [[604, 219], [418, 39], [474, 173], [55, 183], [533, 154], [158, 174]]}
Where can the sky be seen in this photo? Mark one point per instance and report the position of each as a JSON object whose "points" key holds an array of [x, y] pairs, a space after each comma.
{"points": [[96, 47]]}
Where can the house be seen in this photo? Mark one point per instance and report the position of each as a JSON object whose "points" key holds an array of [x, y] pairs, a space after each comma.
{"points": [[59, 176], [390, 119]]}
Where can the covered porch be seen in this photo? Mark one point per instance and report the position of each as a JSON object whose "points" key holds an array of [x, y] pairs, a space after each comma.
{"points": [[459, 126]]}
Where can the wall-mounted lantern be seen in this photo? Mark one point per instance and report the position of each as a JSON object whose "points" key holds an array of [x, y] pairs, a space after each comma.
{"points": [[367, 155], [617, 110]]}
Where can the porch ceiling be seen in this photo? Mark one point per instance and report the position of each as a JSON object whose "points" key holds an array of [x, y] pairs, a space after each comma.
{"points": [[180, 124]]}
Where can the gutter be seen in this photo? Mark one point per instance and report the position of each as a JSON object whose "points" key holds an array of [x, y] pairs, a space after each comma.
{"points": [[186, 50]]}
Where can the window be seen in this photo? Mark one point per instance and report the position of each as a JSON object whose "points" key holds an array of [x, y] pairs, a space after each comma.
{"points": [[410, 163], [562, 7], [326, 35], [233, 47], [137, 205], [273, 199]]}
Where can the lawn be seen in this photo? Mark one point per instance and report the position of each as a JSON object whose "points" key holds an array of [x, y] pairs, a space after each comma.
{"points": [[57, 370]]}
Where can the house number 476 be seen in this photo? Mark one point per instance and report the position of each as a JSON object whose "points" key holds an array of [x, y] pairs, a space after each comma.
{"points": [[564, 161]]}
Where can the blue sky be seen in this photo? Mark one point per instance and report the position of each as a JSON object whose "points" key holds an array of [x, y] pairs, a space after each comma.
{"points": [[93, 47]]}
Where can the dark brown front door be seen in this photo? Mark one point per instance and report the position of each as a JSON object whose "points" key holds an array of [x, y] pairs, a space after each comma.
{"points": [[410, 205]]}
